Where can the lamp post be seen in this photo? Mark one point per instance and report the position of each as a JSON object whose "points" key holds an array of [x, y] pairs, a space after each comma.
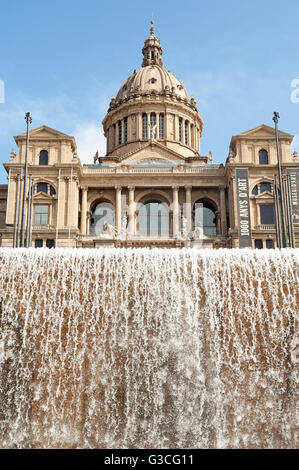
{"points": [[17, 208], [277, 214], [28, 120], [283, 220]]}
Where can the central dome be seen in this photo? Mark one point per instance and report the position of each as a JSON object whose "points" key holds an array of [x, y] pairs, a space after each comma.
{"points": [[152, 105], [152, 79]]}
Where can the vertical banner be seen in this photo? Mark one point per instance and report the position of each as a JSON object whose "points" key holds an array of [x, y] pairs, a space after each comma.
{"points": [[245, 238], [294, 183]]}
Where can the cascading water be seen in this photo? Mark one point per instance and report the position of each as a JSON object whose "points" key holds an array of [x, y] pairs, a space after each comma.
{"points": [[119, 348]]}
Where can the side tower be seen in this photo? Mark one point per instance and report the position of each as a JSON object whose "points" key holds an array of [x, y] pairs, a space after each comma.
{"points": [[255, 150], [53, 168]]}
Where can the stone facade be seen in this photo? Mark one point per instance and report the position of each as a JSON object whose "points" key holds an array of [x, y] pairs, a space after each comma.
{"points": [[153, 187]]}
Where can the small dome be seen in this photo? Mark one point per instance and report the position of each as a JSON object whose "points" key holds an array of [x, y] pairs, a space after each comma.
{"points": [[152, 79]]}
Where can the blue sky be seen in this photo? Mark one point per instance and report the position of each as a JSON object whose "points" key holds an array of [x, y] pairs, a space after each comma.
{"points": [[64, 60]]}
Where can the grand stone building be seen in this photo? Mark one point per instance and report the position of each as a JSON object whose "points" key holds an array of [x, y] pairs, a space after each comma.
{"points": [[153, 187]]}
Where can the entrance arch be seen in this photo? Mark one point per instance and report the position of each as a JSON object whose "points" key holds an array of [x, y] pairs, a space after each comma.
{"points": [[204, 213], [102, 211], [153, 219]]}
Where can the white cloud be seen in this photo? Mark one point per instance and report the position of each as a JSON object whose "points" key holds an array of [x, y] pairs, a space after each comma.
{"points": [[59, 112], [90, 138], [53, 112]]}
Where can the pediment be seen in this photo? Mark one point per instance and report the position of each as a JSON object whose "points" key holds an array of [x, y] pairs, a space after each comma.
{"points": [[262, 132], [154, 151], [41, 196], [44, 132], [264, 195]]}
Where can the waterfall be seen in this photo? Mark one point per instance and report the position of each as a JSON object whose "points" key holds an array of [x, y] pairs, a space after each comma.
{"points": [[148, 348]]}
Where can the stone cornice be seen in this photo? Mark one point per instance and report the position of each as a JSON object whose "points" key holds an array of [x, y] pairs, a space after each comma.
{"points": [[140, 105]]}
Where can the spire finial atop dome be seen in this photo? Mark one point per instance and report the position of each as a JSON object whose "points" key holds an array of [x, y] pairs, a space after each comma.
{"points": [[152, 49], [152, 28]]}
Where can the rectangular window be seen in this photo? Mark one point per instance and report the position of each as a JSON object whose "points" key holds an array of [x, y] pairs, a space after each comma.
{"points": [[41, 214], [125, 129], [180, 129], [114, 135], [161, 126], [50, 243], [153, 119], [192, 136], [267, 214], [144, 126], [38, 243], [119, 133], [186, 132], [258, 244], [269, 244]]}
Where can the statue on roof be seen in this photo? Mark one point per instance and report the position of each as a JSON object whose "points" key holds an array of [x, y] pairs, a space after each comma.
{"points": [[96, 158]]}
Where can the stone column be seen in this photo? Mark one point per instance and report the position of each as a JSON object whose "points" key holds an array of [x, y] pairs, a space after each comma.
{"points": [[218, 223], [62, 201], [116, 134], [139, 127], [118, 211], [166, 126], [175, 211], [70, 201], [131, 211], [11, 197], [223, 212], [188, 215], [83, 211]]}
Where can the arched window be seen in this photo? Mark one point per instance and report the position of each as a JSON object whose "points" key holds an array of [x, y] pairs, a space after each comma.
{"points": [[161, 126], [154, 219], [42, 188], [262, 187], [144, 126], [102, 212], [265, 187], [263, 157], [204, 215], [52, 191], [43, 157]]}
